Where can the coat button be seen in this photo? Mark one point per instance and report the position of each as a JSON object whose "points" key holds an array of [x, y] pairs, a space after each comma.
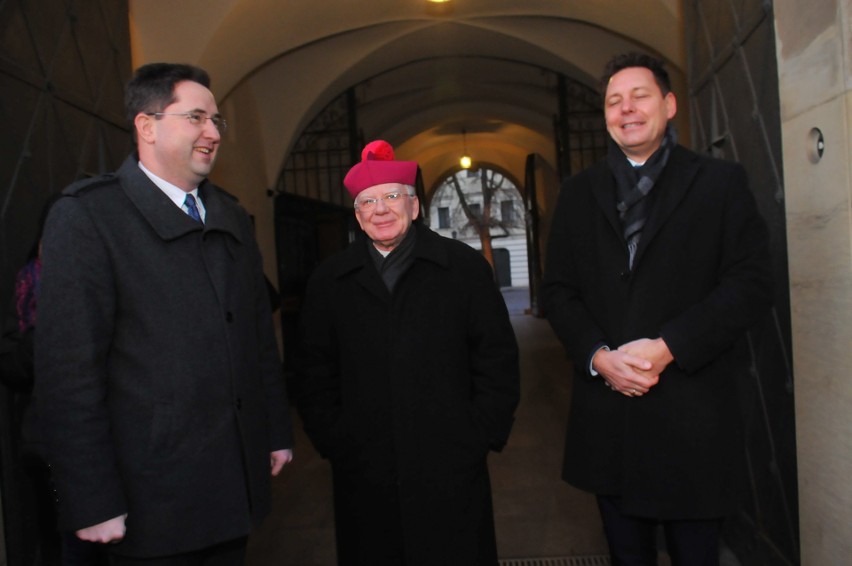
{"points": [[229, 316], [624, 275], [238, 403]]}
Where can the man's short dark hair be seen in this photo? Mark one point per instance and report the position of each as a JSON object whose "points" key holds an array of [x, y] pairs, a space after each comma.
{"points": [[152, 87], [632, 59]]}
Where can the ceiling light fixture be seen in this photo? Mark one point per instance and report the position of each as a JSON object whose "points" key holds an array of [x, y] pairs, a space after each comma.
{"points": [[439, 8], [465, 160]]}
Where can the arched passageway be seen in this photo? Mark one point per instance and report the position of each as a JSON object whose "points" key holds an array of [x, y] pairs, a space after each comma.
{"points": [[418, 77]]}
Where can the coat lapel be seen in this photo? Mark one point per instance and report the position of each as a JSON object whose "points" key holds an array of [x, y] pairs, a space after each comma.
{"points": [[369, 278], [171, 223], [357, 258], [429, 247], [219, 218], [674, 184], [167, 220], [603, 188], [220, 252]]}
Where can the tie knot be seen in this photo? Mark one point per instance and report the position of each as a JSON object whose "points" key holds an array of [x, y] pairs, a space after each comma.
{"points": [[192, 208]]}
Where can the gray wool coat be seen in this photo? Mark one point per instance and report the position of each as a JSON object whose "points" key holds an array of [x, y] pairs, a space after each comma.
{"points": [[157, 371], [405, 393], [701, 278]]}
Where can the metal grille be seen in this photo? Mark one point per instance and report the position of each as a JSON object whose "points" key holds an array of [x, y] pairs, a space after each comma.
{"points": [[561, 561], [323, 154], [579, 127]]}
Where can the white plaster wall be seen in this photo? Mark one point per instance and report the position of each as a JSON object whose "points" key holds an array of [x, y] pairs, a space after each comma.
{"points": [[814, 83], [240, 170]]}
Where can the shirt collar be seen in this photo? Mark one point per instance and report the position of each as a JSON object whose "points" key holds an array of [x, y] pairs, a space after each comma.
{"points": [[175, 193]]}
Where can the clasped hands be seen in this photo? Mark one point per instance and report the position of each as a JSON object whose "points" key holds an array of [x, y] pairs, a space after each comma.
{"points": [[635, 367]]}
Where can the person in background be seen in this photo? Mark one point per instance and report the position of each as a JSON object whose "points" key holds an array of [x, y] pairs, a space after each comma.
{"points": [[158, 381], [28, 502], [408, 376], [657, 265]]}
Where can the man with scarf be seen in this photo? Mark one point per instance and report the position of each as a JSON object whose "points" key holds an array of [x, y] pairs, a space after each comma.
{"points": [[408, 376], [657, 265]]}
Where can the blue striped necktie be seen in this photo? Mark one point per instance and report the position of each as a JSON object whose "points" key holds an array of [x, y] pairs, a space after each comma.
{"points": [[192, 208]]}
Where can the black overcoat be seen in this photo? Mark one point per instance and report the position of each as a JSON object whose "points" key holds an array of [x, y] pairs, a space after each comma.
{"points": [[157, 372], [405, 393], [701, 278]]}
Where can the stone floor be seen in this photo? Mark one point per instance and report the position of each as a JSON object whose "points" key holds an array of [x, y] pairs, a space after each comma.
{"points": [[536, 514]]}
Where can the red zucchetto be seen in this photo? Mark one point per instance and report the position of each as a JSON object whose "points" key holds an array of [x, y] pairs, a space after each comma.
{"points": [[378, 167]]}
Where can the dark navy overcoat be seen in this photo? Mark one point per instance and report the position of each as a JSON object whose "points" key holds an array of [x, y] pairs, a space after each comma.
{"points": [[701, 278], [406, 393], [157, 372]]}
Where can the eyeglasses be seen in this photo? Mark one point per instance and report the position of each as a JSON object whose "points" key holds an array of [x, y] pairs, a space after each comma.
{"points": [[197, 119], [390, 198]]}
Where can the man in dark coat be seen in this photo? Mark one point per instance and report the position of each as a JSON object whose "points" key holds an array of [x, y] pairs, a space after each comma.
{"points": [[409, 375], [157, 373], [657, 265]]}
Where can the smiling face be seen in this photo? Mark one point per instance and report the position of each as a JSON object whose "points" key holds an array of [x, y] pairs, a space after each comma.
{"points": [[637, 112], [172, 147], [387, 222]]}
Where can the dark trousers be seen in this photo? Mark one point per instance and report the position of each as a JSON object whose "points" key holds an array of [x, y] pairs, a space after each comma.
{"points": [[368, 523], [231, 553], [76, 552], [633, 540]]}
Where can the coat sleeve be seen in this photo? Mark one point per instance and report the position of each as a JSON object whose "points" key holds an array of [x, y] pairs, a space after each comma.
{"points": [[493, 359], [743, 291], [318, 394], [562, 299], [76, 311]]}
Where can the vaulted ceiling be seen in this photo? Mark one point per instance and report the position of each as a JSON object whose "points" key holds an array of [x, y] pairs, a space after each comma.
{"points": [[422, 71]]}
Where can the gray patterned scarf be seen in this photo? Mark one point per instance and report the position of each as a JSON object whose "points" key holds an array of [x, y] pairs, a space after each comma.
{"points": [[633, 184]]}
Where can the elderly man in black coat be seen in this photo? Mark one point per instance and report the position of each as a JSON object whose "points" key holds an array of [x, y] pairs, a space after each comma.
{"points": [[657, 265], [409, 376], [157, 372]]}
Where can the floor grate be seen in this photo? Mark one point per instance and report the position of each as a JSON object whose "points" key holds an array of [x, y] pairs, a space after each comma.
{"points": [[563, 561]]}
